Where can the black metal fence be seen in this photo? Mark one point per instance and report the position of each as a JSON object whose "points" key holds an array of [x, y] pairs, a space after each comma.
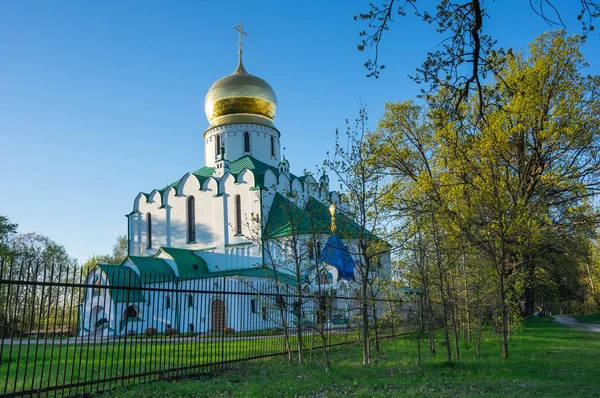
{"points": [[63, 333]]}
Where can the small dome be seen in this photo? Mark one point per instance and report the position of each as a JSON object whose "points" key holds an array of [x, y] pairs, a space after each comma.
{"points": [[240, 98]]}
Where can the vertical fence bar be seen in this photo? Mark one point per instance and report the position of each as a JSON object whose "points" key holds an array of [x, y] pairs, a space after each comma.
{"points": [[213, 325]]}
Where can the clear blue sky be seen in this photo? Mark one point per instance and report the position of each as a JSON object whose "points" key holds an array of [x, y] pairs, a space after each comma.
{"points": [[101, 100]]}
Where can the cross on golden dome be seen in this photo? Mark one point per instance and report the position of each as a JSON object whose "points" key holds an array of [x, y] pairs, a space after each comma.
{"points": [[240, 28]]}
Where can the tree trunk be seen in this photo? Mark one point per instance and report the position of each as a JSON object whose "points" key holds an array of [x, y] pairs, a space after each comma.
{"points": [[504, 315], [365, 333], [376, 327], [419, 349], [529, 289], [325, 353]]}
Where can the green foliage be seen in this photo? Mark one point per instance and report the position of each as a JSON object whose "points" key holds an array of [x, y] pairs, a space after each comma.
{"points": [[7, 229], [118, 255], [498, 213]]}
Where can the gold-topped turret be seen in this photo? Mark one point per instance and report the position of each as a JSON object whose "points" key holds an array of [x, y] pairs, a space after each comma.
{"points": [[240, 97]]}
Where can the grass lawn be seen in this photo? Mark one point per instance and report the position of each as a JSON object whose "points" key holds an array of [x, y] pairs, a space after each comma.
{"points": [[30, 366], [589, 318], [547, 360]]}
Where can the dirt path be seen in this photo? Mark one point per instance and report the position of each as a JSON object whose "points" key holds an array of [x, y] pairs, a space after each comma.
{"points": [[573, 322]]}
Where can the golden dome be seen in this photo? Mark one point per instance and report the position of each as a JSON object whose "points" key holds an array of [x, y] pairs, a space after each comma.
{"points": [[240, 98]]}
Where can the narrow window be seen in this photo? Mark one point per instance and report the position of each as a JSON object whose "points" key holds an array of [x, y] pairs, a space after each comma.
{"points": [[218, 145], [238, 215], [191, 219], [318, 249], [253, 305], [280, 301], [311, 251], [190, 300], [191, 328], [247, 142], [131, 312], [272, 146], [149, 230], [167, 302], [264, 313], [98, 288]]}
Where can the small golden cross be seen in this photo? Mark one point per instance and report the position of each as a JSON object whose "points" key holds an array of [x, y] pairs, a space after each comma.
{"points": [[332, 212], [240, 29]]}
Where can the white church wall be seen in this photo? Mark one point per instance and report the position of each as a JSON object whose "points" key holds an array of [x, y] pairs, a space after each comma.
{"points": [[283, 187], [159, 227], [232, 137], [96, 306]]}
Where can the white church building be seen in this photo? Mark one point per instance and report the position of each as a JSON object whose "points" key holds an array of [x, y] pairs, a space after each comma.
{"points": [[225, 227]]}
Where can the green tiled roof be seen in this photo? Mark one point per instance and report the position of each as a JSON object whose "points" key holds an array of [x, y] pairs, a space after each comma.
{"points": [[235, 167], [255, 272], [118, 275], [282, 211], [313, 219], [189, 265], [153, 270], [259, 168]]}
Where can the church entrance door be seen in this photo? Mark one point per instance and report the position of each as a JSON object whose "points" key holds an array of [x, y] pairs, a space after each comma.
{"points": [[218, 315]]}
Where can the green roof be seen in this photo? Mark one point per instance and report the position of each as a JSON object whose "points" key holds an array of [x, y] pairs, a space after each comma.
{"points": [[118, 275], [281, 212], [255, 272], [235, 167], [189, 265], [315, 218], [153, 270]]}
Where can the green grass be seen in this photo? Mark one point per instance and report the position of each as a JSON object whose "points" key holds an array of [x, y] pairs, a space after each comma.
{"points": [[589, 318], [547, 360], [29, 366]]}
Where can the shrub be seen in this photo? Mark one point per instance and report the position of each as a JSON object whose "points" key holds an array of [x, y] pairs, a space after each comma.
{"points": [[130, 332], [229, 330], [151, 331], [171, 331]]}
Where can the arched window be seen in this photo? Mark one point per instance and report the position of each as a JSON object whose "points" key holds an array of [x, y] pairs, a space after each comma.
{"points": [[191, 219], [167, 302], [247, 142], [311, 251], [98, 288], [131, 312], [272, 146], [238, 215], [218, 145], [149, 230]]}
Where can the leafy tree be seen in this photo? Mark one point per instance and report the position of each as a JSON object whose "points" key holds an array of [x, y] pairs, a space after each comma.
{"points": [[508, 188], [118, 255], [30, 306], [7, 229], [468, 55], [362, 183]]}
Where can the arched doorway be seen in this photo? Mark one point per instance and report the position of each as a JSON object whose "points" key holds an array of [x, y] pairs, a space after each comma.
{"points": [[98, 321], [218, 315]]}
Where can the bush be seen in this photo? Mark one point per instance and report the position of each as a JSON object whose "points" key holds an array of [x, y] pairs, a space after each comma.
{"points": [[151, 331], [130, 332], [229, 330], [171, 331]]}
